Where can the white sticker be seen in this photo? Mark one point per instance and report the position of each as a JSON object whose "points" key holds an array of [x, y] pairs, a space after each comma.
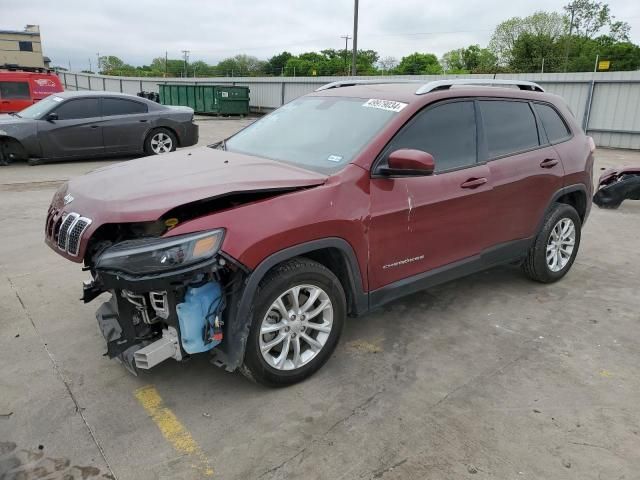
{"points": [[225, 94], [57, 99], [390, 105], [334, 158]]}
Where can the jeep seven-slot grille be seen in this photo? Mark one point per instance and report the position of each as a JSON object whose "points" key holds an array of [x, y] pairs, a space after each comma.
{"points": [[66, 231]]}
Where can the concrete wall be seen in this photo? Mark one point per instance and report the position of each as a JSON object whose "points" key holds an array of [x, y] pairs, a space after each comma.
{"points": [[606, 104]]}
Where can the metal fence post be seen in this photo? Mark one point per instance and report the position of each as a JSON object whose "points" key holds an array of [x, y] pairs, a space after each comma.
{"points": [[282, 93], [587, 110], [104, 84], [64, 76], [120, 85], [141, 85], [76, 75]]}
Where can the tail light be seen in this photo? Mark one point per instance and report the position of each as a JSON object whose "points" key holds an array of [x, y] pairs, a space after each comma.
{"points": [[592, 144]]}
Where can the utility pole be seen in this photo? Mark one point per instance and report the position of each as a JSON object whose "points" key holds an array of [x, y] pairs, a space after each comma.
{"points": [[90, 65], [186, 60], [355, 38], [98, 63], [566, 50], [166, 63], [346, 53]]}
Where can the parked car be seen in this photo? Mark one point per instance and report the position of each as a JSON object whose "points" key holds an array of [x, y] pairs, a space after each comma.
{"points": [[19, 88], [259, 247], [81, 125]]}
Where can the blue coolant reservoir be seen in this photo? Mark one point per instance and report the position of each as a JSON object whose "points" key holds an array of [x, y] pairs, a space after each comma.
{"points": [[196, 314]]}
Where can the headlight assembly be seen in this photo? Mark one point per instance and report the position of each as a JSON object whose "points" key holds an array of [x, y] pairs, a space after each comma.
{"points": [[152, 255]]}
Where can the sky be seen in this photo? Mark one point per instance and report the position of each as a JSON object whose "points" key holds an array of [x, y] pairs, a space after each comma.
{"points": [[75, 31]]}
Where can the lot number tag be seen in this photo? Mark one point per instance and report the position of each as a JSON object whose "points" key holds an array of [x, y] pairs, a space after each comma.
{"points": [[389, 105]]}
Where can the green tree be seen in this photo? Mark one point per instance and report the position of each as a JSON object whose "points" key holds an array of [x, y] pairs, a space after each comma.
{"points": [[419, 64], [541, 24], [472, 59], [275, 65]]}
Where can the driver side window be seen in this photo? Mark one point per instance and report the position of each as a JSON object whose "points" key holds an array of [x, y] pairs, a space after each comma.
{"points": [[447, 131]]}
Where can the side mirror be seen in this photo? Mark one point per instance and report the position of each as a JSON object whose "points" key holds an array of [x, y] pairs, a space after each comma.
{"points": [[409, 162], [50, 117]]}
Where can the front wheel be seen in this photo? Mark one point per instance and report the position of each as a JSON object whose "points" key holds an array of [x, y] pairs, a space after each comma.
{"points": [[297, 320], [160, 141], [556, 245]]}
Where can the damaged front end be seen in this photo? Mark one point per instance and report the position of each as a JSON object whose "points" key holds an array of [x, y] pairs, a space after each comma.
{"points": [[616, 186], [167, 300]]}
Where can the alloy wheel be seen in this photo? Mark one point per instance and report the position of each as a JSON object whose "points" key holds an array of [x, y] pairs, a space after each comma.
{"points": [[161, 143], [296, 327], [560, 244]]}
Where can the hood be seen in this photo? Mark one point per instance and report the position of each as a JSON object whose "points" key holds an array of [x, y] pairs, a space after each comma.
{"points": [[8, 121], [145, 189]]}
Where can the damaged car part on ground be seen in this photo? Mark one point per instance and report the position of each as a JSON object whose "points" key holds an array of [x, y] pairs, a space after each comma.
{"points": [[258, 248], [617, 185]]}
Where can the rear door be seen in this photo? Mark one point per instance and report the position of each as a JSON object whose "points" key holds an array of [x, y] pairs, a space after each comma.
{"points": [[76, 133], [125, 125], [422, 223], [15, 95], [525, 169]]}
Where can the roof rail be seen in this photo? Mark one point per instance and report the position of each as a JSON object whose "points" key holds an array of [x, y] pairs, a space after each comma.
{"points": [[446, 84], [351, 83]]}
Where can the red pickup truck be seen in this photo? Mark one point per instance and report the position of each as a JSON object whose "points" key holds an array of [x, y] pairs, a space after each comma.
{"points": [[19, 89]]}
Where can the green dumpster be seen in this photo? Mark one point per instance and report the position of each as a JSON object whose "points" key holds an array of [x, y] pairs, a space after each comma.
{"points": [[209, 99]]}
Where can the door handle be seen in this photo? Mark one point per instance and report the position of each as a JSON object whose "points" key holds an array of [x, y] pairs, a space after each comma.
{"points": [[143, 121], [94, 126], [474, 182], [548, 163]]}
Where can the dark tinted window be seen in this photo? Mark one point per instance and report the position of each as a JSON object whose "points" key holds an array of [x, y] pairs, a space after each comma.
{"points": [[14, 90], [26, 46], [119, 106], [80, 108], [448, 132], [509, 127], [554, 125]]}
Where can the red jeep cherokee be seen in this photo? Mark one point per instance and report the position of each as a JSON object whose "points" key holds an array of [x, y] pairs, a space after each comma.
{"points": [[258, 248]]}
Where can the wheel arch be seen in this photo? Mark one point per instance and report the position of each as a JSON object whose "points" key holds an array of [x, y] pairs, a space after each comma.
{"points": [[334, 253], [577, 198]]}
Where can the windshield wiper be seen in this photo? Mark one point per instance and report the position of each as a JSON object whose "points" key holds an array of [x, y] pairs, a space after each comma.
{"points": [[221, 145], [14, 114]]}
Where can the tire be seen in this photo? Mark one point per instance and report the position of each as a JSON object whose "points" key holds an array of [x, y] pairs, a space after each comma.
{"points": [[278, 284], [159, 141], [549, 259]]}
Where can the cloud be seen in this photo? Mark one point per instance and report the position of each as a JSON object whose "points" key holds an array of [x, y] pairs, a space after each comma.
{"points": [[139, 30]]}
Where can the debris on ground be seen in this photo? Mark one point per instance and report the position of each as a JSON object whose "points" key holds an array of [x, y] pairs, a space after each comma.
{"points": [[617, 185]]}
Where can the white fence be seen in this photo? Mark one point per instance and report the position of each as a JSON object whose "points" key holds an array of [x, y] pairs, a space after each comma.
{"points": [[607, 104]]}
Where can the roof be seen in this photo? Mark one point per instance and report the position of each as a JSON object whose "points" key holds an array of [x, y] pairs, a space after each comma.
{"points": [[406, 92], [19, 32]]}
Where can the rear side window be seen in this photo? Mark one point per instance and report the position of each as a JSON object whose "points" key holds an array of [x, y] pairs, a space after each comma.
{"points": [[80, 108], [552, 122], [14, 90], [119, 106], [509, 127], [447, 131]]}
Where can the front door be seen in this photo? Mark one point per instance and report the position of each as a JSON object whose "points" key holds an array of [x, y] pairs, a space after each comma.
{"points": [[76, 133], [419, 224]]}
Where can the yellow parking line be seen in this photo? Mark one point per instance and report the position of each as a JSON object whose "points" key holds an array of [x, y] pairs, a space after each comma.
{"points": [[175, 433]]}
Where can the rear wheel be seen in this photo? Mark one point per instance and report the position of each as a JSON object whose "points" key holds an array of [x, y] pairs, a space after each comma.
{"points": [[297, 320], [160, 141], [556, 246]]}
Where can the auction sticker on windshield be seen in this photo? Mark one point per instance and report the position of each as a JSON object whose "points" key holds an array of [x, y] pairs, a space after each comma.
{"points": [[389, 105]]}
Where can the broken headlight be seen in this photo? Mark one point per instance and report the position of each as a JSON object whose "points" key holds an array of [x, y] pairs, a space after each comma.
{"points": [[153, 255]]}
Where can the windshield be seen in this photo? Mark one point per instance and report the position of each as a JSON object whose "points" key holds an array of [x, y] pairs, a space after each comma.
{"points": [[40, 108], [318, 133]]}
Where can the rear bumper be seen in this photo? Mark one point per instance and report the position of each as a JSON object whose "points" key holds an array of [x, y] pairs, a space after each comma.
{"points": [[190, 135]]}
